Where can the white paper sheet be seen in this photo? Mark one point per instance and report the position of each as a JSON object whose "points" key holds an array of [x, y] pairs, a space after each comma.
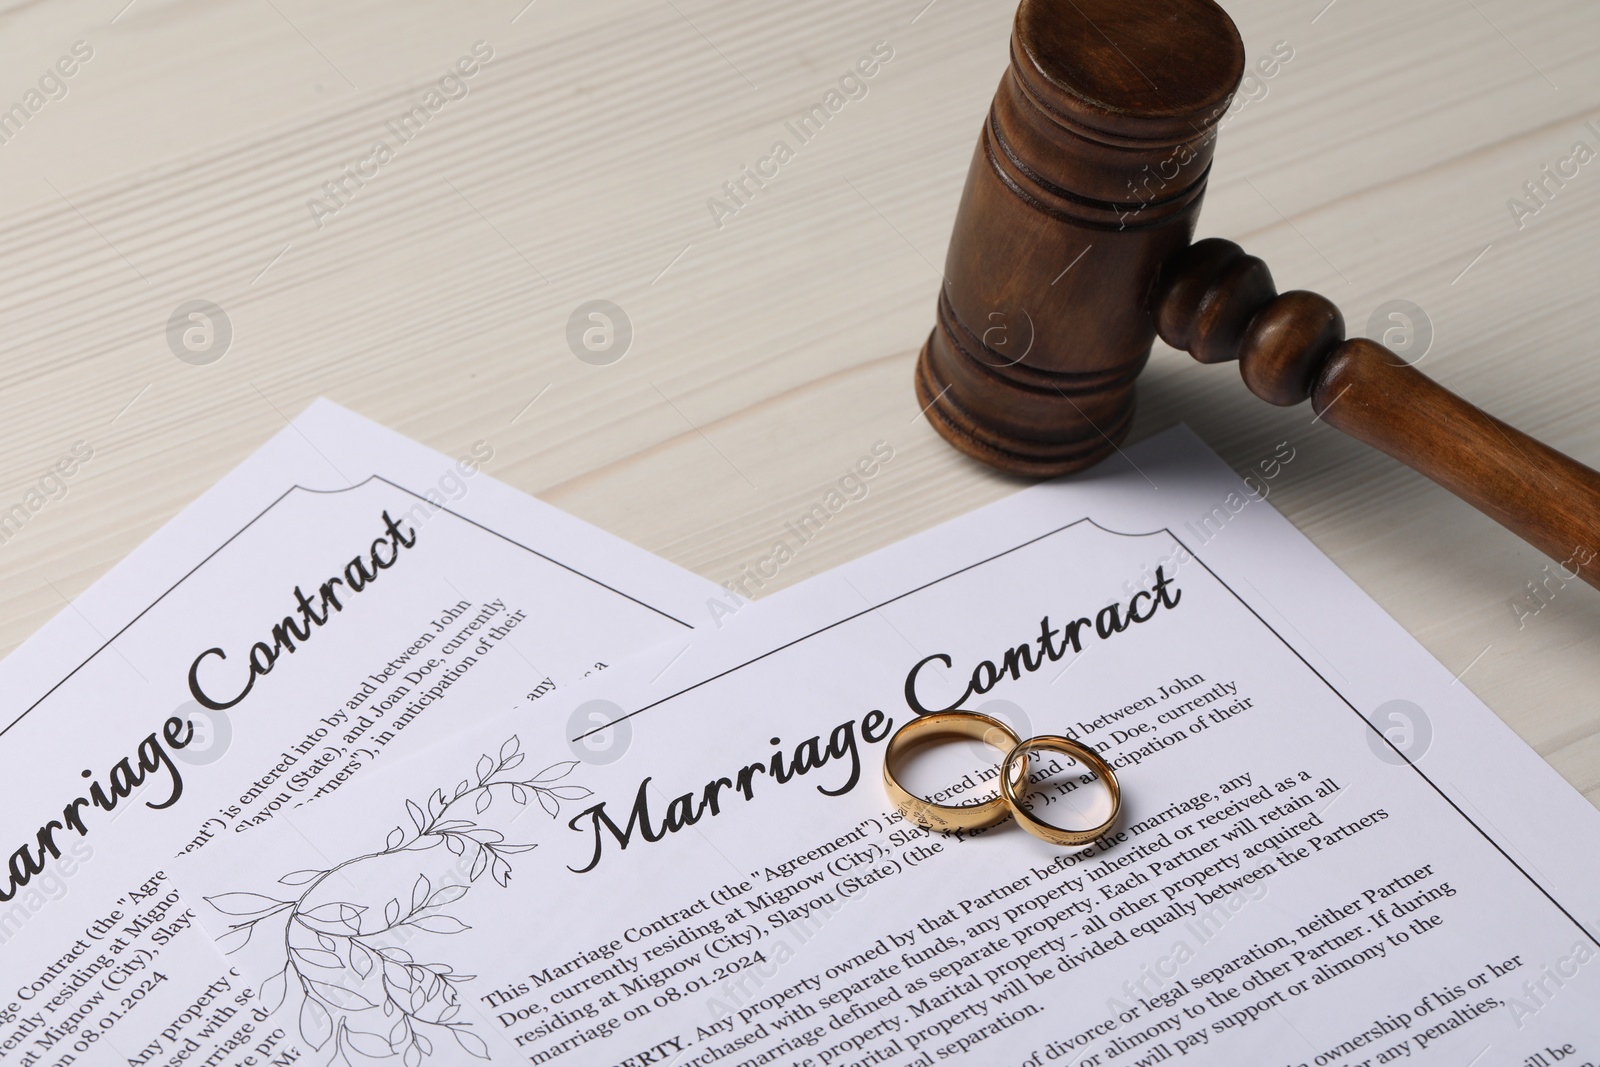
{"points": [[387, 597], [718, 879]]}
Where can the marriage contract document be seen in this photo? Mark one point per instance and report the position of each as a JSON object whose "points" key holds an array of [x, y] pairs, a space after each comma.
{"points": [[341, 598], [1329, 851]]}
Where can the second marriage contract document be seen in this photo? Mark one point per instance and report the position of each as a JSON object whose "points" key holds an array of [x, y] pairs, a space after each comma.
{"points": [[1329, 853]]}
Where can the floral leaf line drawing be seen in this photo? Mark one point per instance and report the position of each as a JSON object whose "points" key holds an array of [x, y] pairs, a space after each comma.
{"points": [[360, 993]]}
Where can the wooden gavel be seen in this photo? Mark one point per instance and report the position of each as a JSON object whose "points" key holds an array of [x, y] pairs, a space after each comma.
{"points": [[1071, 251]]}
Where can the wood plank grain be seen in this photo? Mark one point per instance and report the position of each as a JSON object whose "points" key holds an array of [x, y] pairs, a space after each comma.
{"points": [[1375, 166]]}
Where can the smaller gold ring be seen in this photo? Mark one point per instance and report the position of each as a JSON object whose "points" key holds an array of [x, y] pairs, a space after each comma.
{"points": [[945, 817], [1057, 835]]}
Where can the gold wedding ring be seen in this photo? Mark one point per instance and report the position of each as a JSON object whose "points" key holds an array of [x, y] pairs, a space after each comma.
{"points": [[1057, 835], [1013, 773], [945, 817]]}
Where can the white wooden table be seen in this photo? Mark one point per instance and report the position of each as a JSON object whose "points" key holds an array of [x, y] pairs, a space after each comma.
{"points": [[180, 160]]}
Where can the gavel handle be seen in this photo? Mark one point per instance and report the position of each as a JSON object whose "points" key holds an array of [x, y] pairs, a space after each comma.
{"points": [[1218, 304], [1548, 499]]}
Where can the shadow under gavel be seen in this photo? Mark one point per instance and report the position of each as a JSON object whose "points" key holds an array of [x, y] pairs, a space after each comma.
{"points": [[1077, 218]]}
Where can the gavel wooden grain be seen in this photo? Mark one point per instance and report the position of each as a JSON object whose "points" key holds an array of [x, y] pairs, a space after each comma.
{"points": [[1071, 251]]}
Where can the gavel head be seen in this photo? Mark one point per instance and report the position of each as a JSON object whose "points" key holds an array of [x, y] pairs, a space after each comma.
{"points": [[1085, 185]]}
